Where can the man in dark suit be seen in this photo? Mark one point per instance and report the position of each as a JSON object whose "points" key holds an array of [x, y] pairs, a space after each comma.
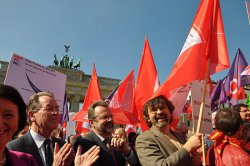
{"points": [[160, 145], [114, 151], [43, 112]]}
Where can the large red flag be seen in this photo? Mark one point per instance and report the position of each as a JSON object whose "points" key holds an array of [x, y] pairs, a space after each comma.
{"points": [[93, 94], [147, 82], [205, 41]]}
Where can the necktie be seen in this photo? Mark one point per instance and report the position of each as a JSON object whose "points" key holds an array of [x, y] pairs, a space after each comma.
{"points": [[107, 142], [48, 153]]}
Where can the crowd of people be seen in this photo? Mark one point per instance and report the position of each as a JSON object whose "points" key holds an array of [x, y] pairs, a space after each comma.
{"points": [[29, 135]]}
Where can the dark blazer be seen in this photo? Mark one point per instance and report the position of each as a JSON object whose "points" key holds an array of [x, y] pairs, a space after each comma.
{"points": [[92, 139], [26, 144], [154, 148]]}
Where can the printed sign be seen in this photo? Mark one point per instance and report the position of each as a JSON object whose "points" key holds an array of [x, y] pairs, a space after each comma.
{"points": [[29, 77]]}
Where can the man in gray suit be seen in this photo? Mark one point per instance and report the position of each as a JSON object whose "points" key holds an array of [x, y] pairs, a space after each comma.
{"points": [[160, 145]]}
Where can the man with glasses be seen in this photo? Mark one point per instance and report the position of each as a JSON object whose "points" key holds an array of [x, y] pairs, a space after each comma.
{"points": [[114, 151], [244, 112], [43, 112]]}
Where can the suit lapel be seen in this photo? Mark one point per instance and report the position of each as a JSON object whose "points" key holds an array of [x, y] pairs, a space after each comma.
{"points": [[163, 139], [93, 137], [32, 148], [105, 154]]}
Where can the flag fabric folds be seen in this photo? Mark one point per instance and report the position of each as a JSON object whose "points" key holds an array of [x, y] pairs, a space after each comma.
{"points": [[205, 43], [123, 97], [178, 97], [234, 81], [93, 94], [218, 95], [246, 72], [65, 116], [248, 11], [147, 82], [65, 111], [121, 102]]}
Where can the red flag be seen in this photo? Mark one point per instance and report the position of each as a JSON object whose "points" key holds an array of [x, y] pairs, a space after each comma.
{"points": [[147, 82], [121, 103], [206, 41], [123, 97], [93, 94]]}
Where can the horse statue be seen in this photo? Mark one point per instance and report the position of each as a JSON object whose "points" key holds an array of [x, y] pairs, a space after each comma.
{"points": [[78, 64], [66, 61], [62, 61], [71, 62], [55, 62]]}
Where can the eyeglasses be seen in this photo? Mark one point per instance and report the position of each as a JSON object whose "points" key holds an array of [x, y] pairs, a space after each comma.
{"points": [[154, 110], [51, 109]]}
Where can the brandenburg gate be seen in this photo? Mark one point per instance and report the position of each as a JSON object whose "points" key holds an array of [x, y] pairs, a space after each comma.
{"points": [[76, 84]]}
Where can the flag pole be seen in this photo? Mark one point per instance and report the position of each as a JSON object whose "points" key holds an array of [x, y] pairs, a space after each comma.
{"points": [[201, 112], [203, 150], [203, 99]]}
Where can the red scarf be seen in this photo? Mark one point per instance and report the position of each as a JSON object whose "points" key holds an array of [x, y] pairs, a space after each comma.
{"points": [[222, 140]]}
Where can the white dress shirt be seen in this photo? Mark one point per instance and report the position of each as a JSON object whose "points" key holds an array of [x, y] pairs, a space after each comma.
{"points": [[39, 140]]}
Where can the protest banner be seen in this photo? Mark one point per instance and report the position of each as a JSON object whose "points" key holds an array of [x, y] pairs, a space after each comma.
{"points": [[29, 77]]}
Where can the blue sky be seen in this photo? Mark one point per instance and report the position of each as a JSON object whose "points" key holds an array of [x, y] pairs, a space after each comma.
{"points": [[111, 33]]}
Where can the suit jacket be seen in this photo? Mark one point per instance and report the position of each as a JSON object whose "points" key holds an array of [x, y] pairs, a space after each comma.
{"points": [[92, 139], [154, 148], [26, 144]]}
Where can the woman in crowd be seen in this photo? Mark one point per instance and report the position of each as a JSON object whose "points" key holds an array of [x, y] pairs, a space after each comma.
{"points": [[226, 149], [12, 119], [121, 133]]}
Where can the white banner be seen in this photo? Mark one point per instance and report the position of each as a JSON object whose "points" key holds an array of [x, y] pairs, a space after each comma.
{"points": [[29, 77], [178, 97], [196, 97]]}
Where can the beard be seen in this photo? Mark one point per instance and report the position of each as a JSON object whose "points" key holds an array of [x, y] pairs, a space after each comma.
{"points": [[107, 128], [161, 121]]}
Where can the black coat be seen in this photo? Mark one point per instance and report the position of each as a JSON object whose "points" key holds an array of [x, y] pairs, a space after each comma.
{"points": [[92, 139], [26, 144]]}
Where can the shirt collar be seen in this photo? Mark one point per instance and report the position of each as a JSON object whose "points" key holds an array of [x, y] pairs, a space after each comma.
{"points": [[101, 138], [39, 139]]}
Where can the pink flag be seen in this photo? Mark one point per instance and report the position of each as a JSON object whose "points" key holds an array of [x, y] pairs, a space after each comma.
{"points": [[147, 82], [206, 41], [121, 103]]}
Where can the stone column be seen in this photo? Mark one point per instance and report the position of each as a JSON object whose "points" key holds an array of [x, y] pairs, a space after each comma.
{"points": [[74, 103]]}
